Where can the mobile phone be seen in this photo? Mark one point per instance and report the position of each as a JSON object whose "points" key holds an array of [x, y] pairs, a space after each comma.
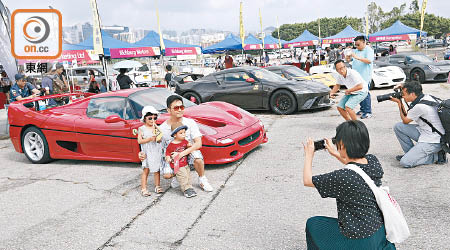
{"points": [[319, 145]]}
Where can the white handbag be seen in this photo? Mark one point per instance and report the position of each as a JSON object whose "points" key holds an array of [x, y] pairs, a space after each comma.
{"points": [[394, 222]]}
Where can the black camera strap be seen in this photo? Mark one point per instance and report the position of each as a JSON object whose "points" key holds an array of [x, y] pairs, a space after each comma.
{"points": [[429, 103]]}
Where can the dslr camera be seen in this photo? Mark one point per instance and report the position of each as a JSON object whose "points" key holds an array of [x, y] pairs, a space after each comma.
{"points": [[397, 94]]}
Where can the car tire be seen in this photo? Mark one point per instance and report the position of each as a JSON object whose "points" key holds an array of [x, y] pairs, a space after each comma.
{"points": [[372, 84], [283, 102], [193, 97], [35, 146], [418, 75]]}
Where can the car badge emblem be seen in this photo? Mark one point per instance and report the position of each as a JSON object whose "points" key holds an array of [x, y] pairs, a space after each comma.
{"points": [[135, 132]]}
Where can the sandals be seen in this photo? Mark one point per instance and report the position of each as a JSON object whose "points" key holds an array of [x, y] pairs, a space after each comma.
{"points": [[158, 190], [145, 193]]}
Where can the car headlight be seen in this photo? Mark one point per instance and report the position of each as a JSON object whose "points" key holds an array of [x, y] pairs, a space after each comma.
{"points": [[433, 68], [225, 141]]}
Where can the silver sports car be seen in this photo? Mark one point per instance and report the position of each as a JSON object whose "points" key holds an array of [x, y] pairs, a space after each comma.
{"points": [[418, 66]]}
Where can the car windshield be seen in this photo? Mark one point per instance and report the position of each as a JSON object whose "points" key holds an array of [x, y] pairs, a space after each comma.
{"points": [[295, 71], [266, 75], [154, 97], [420, 58]]}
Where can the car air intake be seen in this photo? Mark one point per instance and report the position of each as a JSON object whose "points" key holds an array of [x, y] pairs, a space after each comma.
{"points": [[249, 139]]}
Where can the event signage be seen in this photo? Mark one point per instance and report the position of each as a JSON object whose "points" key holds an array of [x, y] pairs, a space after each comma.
{"points": [[300, 44], [134, 52], [392, 38], [252, 46], [70, 55], [182, 51], [338, 40], [271, 46]]}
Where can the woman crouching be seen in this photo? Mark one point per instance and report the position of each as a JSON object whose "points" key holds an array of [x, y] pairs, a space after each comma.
{"points": [[359, 224]]}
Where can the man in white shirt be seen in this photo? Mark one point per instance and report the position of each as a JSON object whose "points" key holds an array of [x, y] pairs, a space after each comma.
{"points": [[427, 148], [356, 90]]}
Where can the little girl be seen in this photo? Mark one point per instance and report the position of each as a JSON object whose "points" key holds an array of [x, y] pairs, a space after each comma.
{"points": [[149, 137]]}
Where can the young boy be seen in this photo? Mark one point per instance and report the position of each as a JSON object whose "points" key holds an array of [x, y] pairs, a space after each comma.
{"points": [[180, 166]]}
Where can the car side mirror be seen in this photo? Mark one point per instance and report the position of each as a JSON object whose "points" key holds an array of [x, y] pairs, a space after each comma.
{"points": [[114, 119], [250, 80]]}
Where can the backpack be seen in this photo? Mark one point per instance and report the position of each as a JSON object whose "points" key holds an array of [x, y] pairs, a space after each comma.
{"points": [[443, 109]]}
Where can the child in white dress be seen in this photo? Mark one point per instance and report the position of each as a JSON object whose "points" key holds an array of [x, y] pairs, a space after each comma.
{"points": [[149, 137]]}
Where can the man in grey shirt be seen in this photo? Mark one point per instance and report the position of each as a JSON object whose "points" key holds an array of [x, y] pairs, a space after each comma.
{"points": [[425, 151]]}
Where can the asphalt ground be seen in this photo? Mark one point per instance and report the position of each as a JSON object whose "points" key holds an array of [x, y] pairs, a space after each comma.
{"points": [[259, 202]]}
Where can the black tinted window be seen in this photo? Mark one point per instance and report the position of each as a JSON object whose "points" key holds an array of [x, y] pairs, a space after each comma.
{"points": [[80, 72], [101, 108], [236, 77]]}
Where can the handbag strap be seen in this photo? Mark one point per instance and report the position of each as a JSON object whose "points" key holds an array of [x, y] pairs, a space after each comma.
{"points": [[363, 174]]}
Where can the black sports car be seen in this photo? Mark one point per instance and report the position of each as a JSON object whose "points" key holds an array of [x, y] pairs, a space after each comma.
{"points": [[254, 88], [417, 66]]}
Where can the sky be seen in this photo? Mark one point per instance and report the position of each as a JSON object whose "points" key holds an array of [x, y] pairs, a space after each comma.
{"points": [[183, 15]]}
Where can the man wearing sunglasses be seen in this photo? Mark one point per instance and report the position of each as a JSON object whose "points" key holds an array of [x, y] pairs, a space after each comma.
{"points": [[175, 108]]}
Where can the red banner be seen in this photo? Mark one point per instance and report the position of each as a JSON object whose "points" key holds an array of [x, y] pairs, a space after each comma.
{"points": [[338, 40], [134, 52], [252, 46], [271, 46], [182, 51], [392, 38], [299, 44]]}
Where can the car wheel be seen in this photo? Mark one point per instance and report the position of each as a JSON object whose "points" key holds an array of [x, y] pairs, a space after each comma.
{"points": [[418, 75], [35, 146], [283, 102], [372, 85], [193, 97]]}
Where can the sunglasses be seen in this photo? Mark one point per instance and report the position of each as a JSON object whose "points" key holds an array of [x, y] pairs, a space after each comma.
{"points": [[153, 117], [178, 108]]}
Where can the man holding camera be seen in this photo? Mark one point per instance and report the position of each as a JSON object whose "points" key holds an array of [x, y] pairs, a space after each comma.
{"points": [[427, 150], [356, 92], [362, 61]]}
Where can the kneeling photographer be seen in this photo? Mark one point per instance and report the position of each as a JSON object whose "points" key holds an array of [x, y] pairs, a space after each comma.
{"points": [[359, 224], [427, 149]]}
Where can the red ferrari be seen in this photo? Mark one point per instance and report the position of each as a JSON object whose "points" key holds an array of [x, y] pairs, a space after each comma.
{"points": [[104, 127]]}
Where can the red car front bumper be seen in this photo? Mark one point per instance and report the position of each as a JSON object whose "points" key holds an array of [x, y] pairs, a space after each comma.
{"points": [[243, 142]]}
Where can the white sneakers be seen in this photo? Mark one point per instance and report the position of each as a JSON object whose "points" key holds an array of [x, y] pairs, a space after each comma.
{"points": [[204, 184]]}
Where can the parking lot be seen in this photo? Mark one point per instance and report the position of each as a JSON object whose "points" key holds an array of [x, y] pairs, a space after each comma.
{"points": [[259, 202]]}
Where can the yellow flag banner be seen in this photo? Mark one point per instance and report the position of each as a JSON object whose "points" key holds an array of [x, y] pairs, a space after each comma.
{"points": [[367, 20], [241, 27], [422, 16], [97, 35], [278, 30], [161, 40], [262, 33]]}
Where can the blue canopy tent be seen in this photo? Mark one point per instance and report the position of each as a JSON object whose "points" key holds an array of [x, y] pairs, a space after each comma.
{"points": [[305, 39], [252, 43], [271, 42], [152, 40], [108, 43], [68, 46], [345, 36], [231, 42], [398, 31]]}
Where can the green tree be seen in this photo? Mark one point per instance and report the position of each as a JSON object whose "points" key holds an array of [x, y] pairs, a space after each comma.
{"points": [[414, 6]]}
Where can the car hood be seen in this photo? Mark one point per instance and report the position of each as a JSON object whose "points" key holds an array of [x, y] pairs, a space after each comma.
{"points": [[306, 85], [218, 119], [442, 65]]}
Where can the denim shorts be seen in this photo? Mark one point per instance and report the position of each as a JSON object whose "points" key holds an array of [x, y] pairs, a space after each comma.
{"points": [[352, 100]]}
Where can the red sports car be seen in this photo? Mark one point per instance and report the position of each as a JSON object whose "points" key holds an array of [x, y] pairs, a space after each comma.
{"points": [[104, 127]]}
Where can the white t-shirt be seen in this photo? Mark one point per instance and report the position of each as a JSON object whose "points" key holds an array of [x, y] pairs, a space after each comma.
{"points": [[352, 79], [191, 133], [430, 114]]}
